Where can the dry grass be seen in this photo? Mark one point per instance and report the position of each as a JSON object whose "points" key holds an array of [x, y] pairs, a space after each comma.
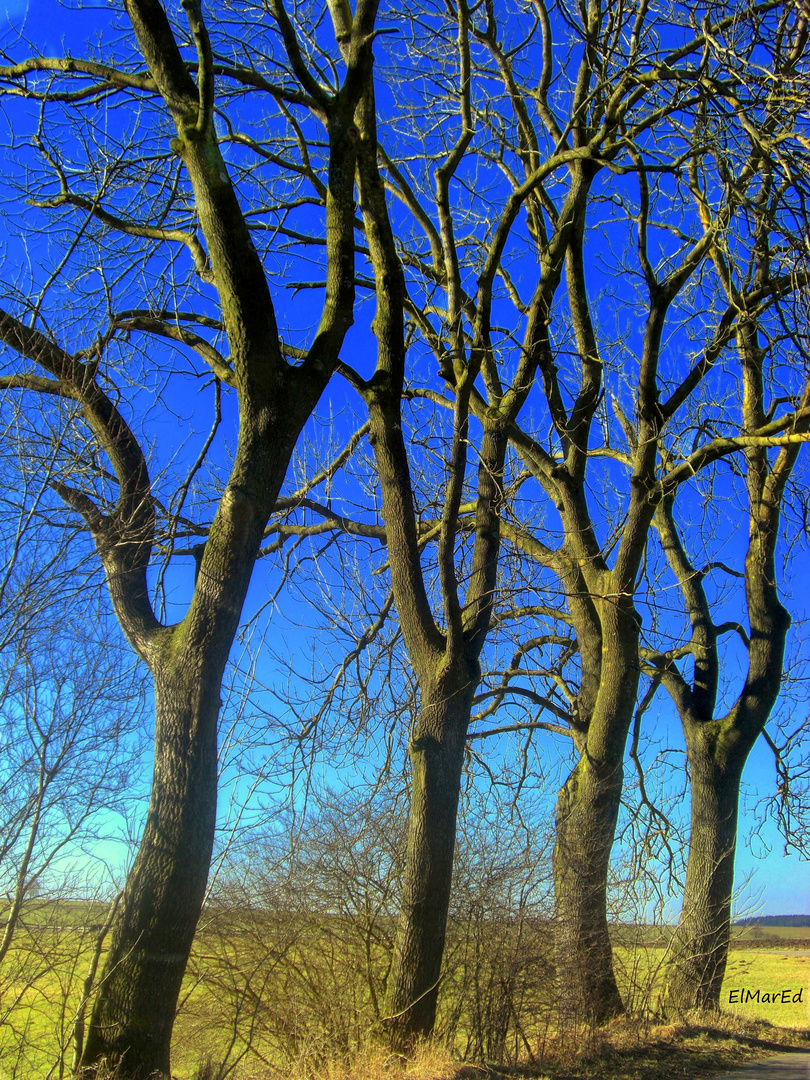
{"points": [[697, 1047], [375, 1063], [270, 1027], [625, 1050]]}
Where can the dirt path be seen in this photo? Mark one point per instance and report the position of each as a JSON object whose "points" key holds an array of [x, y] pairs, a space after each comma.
{"points": [[794, 1066]]}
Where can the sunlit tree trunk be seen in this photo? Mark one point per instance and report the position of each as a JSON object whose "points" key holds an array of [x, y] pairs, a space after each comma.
{"points": [[718, 746], [699, 948], [133, 1011], [587, 811], [436, 751], [131, 1022]]}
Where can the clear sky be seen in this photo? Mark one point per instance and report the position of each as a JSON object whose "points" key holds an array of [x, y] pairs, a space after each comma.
{"points": [[768, 881]]}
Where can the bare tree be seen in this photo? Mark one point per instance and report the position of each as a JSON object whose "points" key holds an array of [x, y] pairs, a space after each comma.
{"points": [[72, 721], [163, 94], [589, 157], [69, 723], [720, 736], [549, 123]]}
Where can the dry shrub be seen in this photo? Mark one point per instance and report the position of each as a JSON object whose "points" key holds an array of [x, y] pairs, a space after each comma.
{"points": [[373, 1062], [497, 991], [498, 987], [369, 1062], [291, 964]]}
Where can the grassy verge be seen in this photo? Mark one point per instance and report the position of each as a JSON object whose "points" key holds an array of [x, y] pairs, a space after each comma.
{"points": [[625, 1050], [694, 1048]]}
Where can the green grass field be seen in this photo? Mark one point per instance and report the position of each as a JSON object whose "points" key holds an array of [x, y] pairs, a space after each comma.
{"points": [[42, 981], [768, 971], [771, 973], [766, 933]]}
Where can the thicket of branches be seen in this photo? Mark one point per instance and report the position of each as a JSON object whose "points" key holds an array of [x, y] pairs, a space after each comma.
{"points": [[547, 267]]}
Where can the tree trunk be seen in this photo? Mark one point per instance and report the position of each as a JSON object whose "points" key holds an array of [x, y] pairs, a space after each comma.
{"points": [[436, 751], [131, 1023], [699, 948], [587, 811]]}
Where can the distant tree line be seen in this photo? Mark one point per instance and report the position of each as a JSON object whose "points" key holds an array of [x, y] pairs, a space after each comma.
{"points": [[774, 920]]}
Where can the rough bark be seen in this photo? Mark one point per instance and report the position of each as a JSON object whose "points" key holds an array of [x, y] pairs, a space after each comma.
{"points": [[699, 947], [717, 751], [131, 1022], [587, 811], [445, 662], [133, 1013], [436, 752]]}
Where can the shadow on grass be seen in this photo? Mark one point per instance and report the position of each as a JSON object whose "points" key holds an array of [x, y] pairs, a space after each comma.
{"points": [[640, 1051]]}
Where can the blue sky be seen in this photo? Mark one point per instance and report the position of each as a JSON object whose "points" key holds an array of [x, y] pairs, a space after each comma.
{"points": [[14, 11], [777, 884]]}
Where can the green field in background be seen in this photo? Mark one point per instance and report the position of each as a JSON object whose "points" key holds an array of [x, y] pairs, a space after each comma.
{"points": [[55, 969], [769, 972], [758, 933], [640, 975]]}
